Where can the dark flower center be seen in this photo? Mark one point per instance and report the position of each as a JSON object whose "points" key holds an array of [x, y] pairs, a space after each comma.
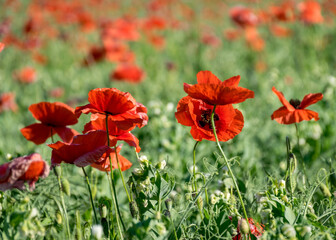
{"points": [[206, 119], [295, 103]]}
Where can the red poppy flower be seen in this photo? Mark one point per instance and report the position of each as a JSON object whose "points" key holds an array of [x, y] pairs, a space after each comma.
{"points": [[96, 54], [253, 39], [255, 228], [243, 16], [197, 114], [310, 12], [215, 92], [120, 106], [284, 12], [121, 29], [2, 46], [54, 118], [294, 111], [87, 149], [21, 170], [116, 134], [127, 72], [7, 102], [26, 75]]}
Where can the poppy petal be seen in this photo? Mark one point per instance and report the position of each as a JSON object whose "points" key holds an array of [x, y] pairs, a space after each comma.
{"points": [[310, 99], [231, 82], [283, 99], [207, 77], [182, 114], [65, 133], [233, 129], [37, 133], [130, 139], [91, 157], [56, 114]]}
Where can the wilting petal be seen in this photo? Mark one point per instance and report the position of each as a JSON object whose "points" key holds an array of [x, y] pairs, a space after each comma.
{"points": [[283, 100], [310, 99], [65, 133], [38, 133], [56, 114]]}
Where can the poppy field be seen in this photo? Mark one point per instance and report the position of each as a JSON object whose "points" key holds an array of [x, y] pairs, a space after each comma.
{"points": [[167, 119]]}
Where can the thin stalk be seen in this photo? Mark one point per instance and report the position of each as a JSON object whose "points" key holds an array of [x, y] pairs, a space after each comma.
{"points": [[194, 166], [227, 162], [59, 179], [115, 204], [91, 198], [301, 155], [122, 176], [113, 191]]}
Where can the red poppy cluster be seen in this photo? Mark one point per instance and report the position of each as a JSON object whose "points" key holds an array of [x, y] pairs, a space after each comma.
{"points": [[195, 109], [109, 107]]}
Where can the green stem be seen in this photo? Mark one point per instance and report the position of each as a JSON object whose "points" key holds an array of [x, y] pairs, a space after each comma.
{"points": [[194, 166], [91, 198], [122, 176], [227, 162], [301, 155], [59, 179], [113, 191]]}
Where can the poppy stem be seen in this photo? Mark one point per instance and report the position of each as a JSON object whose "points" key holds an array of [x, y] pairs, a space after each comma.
{"points": [[194, 166], [299, 148], [112, 184], [122, 176], [91, 198], [227, 163], [59, 179]]}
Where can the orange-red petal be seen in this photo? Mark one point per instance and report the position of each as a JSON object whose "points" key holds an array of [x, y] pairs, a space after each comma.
{"points": [[310, 99], [56, 114], [65, 133], [38, 133], [283, 116], [283, 99]]}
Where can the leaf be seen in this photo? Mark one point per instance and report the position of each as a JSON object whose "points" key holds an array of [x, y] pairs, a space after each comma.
{"points": [[290, 215]]}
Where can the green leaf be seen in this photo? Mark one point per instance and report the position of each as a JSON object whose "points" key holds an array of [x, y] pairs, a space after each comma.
{"points": [[290, 215]]}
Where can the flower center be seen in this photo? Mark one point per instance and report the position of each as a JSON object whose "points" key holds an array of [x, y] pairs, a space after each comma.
{"points": [[206, 119], [295, 103]]}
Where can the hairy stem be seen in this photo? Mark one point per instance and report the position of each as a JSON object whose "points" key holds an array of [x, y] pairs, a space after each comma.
{"points": [[91, 198]]}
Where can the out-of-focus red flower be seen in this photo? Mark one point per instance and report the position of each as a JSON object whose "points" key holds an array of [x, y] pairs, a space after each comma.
{"points": [[310, 12], [243, 16], [253, 39], [86, 21], [154, 23], [87, 149], [21, 170], [127, 72], [121, 29], [54, 118], [232, 34], [120, 106], [280, 31], [57, 92], [2, 46], [96, 54], [255, 228], [211, 39], [197, 114], [215, 92], [7, 102], [25, 75], [38, 57], [294, 111], [115, 133], [284, 12], [156, 40]]}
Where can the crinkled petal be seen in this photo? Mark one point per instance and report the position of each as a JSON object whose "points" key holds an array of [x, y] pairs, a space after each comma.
{"points": [[183, 113], [283, 99], [38, 133], [310, 99], [92, 157], [65, 133], [207, 77]]}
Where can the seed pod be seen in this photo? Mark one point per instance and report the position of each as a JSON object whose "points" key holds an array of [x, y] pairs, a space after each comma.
{"points": [[66, 187], [103, 211], [58, 217], [58, 171], [325, 190], [78, 226], [244, 226]]}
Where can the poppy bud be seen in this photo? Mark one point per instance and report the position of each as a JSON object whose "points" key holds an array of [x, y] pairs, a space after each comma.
{"points": [[158, 215], [167, 213], [244, 226], [58, 217], [133, 209], [325, 190], [66, 187], [58, 171], [103, 211]]}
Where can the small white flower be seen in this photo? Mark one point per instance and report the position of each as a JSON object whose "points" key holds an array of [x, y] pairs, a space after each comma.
{"points": [[97, 231], [33, 213], [170, 107], [282, 183], [162, 164], [143, 160], [213, 199]]}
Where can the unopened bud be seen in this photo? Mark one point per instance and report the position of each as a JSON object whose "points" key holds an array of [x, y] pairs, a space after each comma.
{"points": [[161, 165], [66, 187], [305, 230], [143, 160], [325, 190], [58, 171], [103, 211], [138, 172], [133, 209], [58, 217], [288, 230], [244, 226]]}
